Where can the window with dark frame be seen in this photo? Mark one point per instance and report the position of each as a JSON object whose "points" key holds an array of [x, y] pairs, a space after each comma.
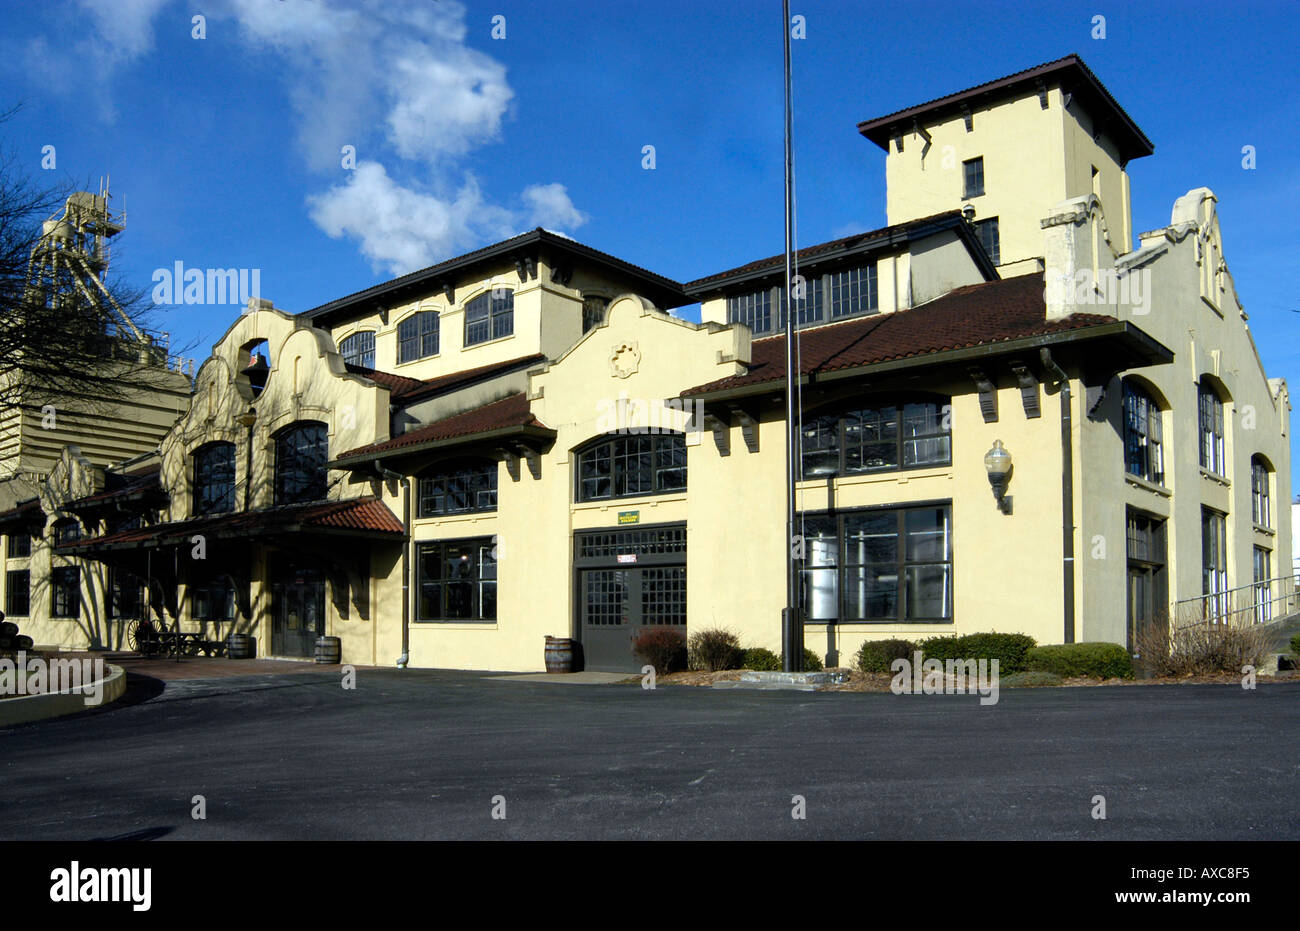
{"points": [[1262, 567], [1214, 563], [853, 291], [1143, 435], [20, 545], [754, 310], [631, 465], [65, 591], [213, 599], [973, 176], [214, 479], [1261, 510], [1211, 424], [125, 594], [67, 531], [881, 565], [987, 231], [593, 311], [18, 583], [490, 316], [359, 349], [458, 488], [301, 452], [896, 435], [418, 336], [458, 580]]}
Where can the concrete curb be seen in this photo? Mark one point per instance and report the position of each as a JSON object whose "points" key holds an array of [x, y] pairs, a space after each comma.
{"points": [[56, 704]]}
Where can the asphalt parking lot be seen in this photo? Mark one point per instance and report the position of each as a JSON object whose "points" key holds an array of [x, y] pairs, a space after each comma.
{"points": [[417, 754]]}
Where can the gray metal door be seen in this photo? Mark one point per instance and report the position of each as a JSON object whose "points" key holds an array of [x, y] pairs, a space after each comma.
{"points": [[628, 580]]}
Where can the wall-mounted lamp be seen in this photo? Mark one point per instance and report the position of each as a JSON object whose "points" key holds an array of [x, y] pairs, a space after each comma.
{"points": [[997, 462]]}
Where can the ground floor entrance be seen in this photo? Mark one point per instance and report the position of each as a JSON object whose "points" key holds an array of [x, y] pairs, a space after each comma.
{"points": [[627, 580], [297, 608], [1148, 587]]}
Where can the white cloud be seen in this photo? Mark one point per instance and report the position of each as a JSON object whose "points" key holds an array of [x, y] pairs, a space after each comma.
{"points": [[396, 80], [401, 229]]}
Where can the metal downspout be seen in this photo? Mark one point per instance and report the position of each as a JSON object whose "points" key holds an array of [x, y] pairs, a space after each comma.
{"points": [[1067, 490]]}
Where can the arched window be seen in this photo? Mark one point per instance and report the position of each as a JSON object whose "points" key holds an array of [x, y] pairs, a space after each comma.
{"points": [[461, 487], [879, 438], [359, 349], [67, 530], [1143, 435], [627, 465], [301, 451], [417, 336], [1211, 418], [593, 311], [1261, 509], [490, 316], [214, 479]]}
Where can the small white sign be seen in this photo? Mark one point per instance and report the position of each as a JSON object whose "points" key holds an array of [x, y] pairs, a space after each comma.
{"points": [[627, 557]]}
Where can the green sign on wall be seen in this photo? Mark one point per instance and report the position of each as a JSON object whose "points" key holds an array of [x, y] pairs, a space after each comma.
{"points": [[629, 517]]}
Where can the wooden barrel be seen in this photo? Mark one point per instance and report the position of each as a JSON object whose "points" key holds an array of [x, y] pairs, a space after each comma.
{"points": [[559, 654], [329, 650], [241, 646], [8, 629]]}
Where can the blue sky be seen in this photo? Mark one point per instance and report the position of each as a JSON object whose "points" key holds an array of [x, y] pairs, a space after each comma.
{"points": [[226, 150]]}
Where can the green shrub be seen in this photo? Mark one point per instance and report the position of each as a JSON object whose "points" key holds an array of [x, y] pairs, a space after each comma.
{"points": [[811, 661], [1010, 650], [1295, 645], [1098, 660], [712, 650], [877, 655], [1030, 679], [760, 659], [664, 648]]}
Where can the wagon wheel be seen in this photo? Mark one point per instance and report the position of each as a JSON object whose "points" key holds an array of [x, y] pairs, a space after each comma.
{"points": [[143, 637]]}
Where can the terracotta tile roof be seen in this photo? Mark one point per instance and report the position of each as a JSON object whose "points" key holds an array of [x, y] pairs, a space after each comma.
{"points": [[1075, 76], [949, 218], [511, 411], [397, 385], [28, 511], [365, 515], [974, 315]]}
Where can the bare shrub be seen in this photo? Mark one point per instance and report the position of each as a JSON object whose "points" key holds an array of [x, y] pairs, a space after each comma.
{"points": [[1200, 649]]}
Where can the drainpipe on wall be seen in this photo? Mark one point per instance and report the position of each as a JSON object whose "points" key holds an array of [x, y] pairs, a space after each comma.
{"points": [[1067, 489], [390, 475]]}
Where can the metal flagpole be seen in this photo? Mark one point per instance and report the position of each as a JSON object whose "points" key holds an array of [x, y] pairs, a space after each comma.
{"points": [[791, 621]]}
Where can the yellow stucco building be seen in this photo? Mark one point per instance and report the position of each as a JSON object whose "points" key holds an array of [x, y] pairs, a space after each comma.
{"points": [[524, 441]]}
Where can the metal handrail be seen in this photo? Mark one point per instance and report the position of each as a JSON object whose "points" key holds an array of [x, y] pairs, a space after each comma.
{"points": [[1245, 605]]}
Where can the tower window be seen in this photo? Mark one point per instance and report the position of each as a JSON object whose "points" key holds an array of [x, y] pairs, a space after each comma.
{"points": [[973, 172], [987, 231]]}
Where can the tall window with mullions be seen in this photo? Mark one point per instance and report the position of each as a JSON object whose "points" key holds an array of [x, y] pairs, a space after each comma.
{"points": [[301, 453], [1143, 436], [887, 565], [461, 487], [417, 336], [458, 580], [754, 310], [359, 349], [853, 291], [490, 316]]}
